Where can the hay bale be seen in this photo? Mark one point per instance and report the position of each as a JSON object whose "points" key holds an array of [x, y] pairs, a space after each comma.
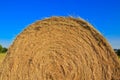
{"points": [[60, 48]]}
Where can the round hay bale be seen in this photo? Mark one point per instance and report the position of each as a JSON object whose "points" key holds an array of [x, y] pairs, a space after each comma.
{"points": [[60, 48]]}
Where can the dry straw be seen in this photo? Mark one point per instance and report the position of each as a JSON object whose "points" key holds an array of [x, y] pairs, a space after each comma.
{"points": [[60, 48]]}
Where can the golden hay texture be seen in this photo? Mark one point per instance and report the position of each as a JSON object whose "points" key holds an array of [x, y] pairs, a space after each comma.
{"points": [[60, 48]]}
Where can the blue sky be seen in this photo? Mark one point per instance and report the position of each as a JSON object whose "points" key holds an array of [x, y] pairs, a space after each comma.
{"points": [[15, 15]]}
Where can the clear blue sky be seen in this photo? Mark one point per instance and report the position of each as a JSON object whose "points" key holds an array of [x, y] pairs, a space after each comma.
{"points": [[15, 15]]}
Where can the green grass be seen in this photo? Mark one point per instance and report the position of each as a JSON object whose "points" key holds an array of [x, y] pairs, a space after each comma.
{"points": [[119, 57], [2, 56]]}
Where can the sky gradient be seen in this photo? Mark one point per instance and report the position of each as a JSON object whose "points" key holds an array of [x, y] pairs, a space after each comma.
{"points": [[16, 15]]}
